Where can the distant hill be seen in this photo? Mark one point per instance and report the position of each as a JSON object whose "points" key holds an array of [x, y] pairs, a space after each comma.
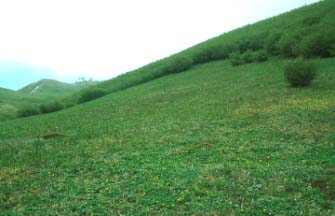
{"points": [[52, 88], [34, 94]]}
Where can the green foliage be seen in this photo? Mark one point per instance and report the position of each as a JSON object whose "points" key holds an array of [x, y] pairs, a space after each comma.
{"points": [[261, 55], [51, 107], [332, 50], [248, 57], [318, 43], [179, 64], [235, 58], [288, 45], [91, 94], [28, 111], [271, 43], [300, 73], [203, 55]]}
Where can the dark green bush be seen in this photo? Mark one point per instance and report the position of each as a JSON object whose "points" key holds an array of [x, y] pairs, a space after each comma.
{"points": [[299, 72], [318, 43], [27, 111], [235, 58], [51, 107], [271, 43], [202, 56], [221, 52], [91, 94], [248, 57], [288, 45], [261, 55], [180, 64]]}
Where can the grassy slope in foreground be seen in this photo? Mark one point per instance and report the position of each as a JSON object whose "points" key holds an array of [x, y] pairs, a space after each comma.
{"points": [[213, 140]]}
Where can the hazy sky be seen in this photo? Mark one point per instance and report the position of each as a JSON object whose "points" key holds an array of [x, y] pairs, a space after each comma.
{"points": [[66, 39]]}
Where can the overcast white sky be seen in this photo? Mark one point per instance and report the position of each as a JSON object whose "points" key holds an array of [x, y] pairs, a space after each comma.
{"points": [[104, 38]]}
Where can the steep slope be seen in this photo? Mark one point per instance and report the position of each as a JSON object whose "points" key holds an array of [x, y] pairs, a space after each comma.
{"points": [[213, 140], [216, 139], [308, 31]]}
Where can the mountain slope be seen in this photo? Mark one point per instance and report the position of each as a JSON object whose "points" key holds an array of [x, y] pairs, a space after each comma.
{"points": [[51, 88], [213, 140], [32, 95], [198, 142], [300, 32]]}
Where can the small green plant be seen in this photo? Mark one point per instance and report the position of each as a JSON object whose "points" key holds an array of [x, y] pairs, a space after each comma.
{"points": [[52, 107], [91, 94], [27, 111], [299, 72]]}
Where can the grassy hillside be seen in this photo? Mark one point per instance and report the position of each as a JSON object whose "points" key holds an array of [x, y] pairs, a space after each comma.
{"points": [[308, 31], [216, 139], [286, 35], [11, 101], [52, 89], [41, 92]]}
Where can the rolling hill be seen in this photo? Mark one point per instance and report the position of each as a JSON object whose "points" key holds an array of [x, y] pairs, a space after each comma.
{"points": [[52, 89], [41, 92], [207, 139]]}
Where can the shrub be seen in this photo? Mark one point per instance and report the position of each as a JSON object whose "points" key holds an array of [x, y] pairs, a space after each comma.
{"points": [[261, 56], [299, 73], [91, 94], [248, 56], [235, 58], [27, 111], [221, 52], [202, 56], [271, 43], [180, 64], [52, 107], [288, 45], [318, 43]]}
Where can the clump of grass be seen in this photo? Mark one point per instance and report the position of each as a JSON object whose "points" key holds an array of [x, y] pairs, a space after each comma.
{"points": [[300, 73]]}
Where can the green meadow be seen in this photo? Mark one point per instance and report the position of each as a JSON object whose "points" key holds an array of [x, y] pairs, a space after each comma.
{"points": [[203, 138]]}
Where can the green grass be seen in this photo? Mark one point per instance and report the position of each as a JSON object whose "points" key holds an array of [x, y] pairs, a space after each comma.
{"points": [[215, 140], [212, 140]]}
